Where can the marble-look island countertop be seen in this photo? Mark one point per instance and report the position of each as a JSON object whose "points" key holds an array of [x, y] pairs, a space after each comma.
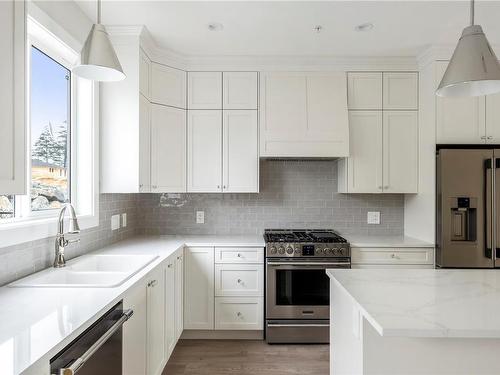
{"points": [[425, 303]]}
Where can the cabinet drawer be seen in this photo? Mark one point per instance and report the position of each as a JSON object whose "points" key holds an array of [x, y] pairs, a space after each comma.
{"points": [[239, 313], [239, 280], [239, 255], [422, 255]]}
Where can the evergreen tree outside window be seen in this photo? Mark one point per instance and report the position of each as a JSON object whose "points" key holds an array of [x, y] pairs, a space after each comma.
{"points": [[50, 103]]}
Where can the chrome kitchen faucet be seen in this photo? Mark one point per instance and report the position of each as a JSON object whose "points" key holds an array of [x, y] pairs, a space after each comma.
{"points": [[61, 241]]}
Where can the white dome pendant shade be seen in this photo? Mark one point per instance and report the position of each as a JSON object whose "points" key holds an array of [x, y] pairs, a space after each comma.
{"points": [[99, 61], [473, 69]]}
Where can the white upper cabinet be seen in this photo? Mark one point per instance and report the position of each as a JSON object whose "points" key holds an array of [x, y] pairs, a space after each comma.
{"points": [[204, 148], [240, 90], [204, 90], [144, 75], [364, 167], [168, 86], [144, 145], [400, 133], [12, 94], [364, 90], [493, 119], [240, 151], [459, 120], [303, 114], [400, 91], [168, 149]]}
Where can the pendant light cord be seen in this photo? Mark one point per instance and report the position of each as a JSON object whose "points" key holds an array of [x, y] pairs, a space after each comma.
{"points": [[471, 12], [98, 11]]}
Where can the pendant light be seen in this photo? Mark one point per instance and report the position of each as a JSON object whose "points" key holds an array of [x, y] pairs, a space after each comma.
{"points": [[99, 60], [473, 69]]}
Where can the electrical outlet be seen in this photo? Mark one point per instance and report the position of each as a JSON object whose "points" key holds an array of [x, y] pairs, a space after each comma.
{"points": [[124, 220], [200, 217], [115, 222], [373, 217]]}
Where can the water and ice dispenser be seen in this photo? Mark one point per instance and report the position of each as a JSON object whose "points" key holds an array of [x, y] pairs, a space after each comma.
{"points": [[463, 211]]}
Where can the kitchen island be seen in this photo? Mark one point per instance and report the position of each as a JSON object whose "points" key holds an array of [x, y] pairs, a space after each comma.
{"points": [[388, 321]]}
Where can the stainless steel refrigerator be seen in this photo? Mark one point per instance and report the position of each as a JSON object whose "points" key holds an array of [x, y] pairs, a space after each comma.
{"points": [[468, 207]]}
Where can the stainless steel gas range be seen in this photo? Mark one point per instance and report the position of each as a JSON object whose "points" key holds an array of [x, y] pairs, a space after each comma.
{"points": [[297, 287]]}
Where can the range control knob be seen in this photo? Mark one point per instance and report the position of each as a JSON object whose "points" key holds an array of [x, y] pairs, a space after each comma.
{"points": [[297, 250], [281, 250], [273, 250], [343, 251], [327, 251], [318, 250], [335, 251], [289, 250]]}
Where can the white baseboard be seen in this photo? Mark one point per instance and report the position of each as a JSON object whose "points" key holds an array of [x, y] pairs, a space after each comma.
{"points": [[221, 335]]}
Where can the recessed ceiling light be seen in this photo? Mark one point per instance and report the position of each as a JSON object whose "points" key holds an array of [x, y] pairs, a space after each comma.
{"points": [[364, 27], [318, 28], [215, 26]]}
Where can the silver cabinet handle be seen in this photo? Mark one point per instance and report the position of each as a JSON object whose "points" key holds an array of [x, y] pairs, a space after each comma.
{"points": [[169, 266], [239, 255], [239, 281], [152, 283], [80, 361], [297, 325], [238, 314], [489, 137]]}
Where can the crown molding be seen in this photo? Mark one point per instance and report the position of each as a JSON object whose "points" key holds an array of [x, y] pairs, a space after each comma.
{"points": [[125, 30]]}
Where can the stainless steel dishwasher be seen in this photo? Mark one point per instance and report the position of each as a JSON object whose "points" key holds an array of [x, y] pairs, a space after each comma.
{"points": [[96, 351]]}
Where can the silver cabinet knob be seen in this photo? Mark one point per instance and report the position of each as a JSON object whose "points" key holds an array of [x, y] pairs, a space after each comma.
{"points": [[152, 283], [239, 255], [239, 281], [238, 314], [489, 137]]}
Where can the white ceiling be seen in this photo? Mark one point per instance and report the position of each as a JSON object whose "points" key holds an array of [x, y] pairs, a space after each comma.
{"points": [[402, 28]]}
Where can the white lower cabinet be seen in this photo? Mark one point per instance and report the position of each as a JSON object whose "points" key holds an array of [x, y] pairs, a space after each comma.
{"points": [[199, 288], [239, 313], [239, 280], [179, 294], [392, 257], [225, 292], [170, 339], [135, 331], [156, 322]]}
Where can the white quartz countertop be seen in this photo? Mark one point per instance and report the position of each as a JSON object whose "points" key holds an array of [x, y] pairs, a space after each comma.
{"points": [[35, 323], [426, 303], [385, 241]]}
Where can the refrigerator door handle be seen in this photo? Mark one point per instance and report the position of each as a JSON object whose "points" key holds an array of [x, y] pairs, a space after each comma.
{"points": [[488, 203], [496, 211]]}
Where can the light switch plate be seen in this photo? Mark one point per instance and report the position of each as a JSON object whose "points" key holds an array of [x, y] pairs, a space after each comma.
{"points": [[124, 220], [115, 222], [373, 217], [200, 217]]}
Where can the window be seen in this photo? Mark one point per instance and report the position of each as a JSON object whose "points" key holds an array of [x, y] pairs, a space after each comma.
{"points": [[62, 143], [50, 129]]}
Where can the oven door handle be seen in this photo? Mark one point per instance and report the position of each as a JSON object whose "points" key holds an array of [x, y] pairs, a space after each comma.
{"points": [[308, 264], [79, 362], [297, 325]]}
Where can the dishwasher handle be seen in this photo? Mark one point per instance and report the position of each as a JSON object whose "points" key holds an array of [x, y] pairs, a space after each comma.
{"points": [[80, 361]]}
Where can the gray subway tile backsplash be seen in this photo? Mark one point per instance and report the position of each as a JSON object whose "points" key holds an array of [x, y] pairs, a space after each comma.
{"points": [[293, 194]]}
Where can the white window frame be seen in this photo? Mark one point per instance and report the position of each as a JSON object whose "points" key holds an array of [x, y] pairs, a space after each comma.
{"points": [[50, 38]]}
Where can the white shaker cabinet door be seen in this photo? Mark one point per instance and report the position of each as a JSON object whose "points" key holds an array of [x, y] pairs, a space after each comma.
{"points": [[204, 140], [12, 94], [240, 152], [144, 75], [179, 294], [204, 90], [364, 165], [168, 86], [199, 288], [168, 149], [400, 141], [156, 321], [239, 90], [170, 339], [135, 331], [400, 90], [364, 90], [493, 119], [459, 120], [144, 145]]}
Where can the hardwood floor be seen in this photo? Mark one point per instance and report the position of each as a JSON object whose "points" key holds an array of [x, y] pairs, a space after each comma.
{"points": [[246, 357]]}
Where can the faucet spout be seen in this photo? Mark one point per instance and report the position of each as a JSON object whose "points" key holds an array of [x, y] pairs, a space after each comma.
{"points": [[61, 241]]}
